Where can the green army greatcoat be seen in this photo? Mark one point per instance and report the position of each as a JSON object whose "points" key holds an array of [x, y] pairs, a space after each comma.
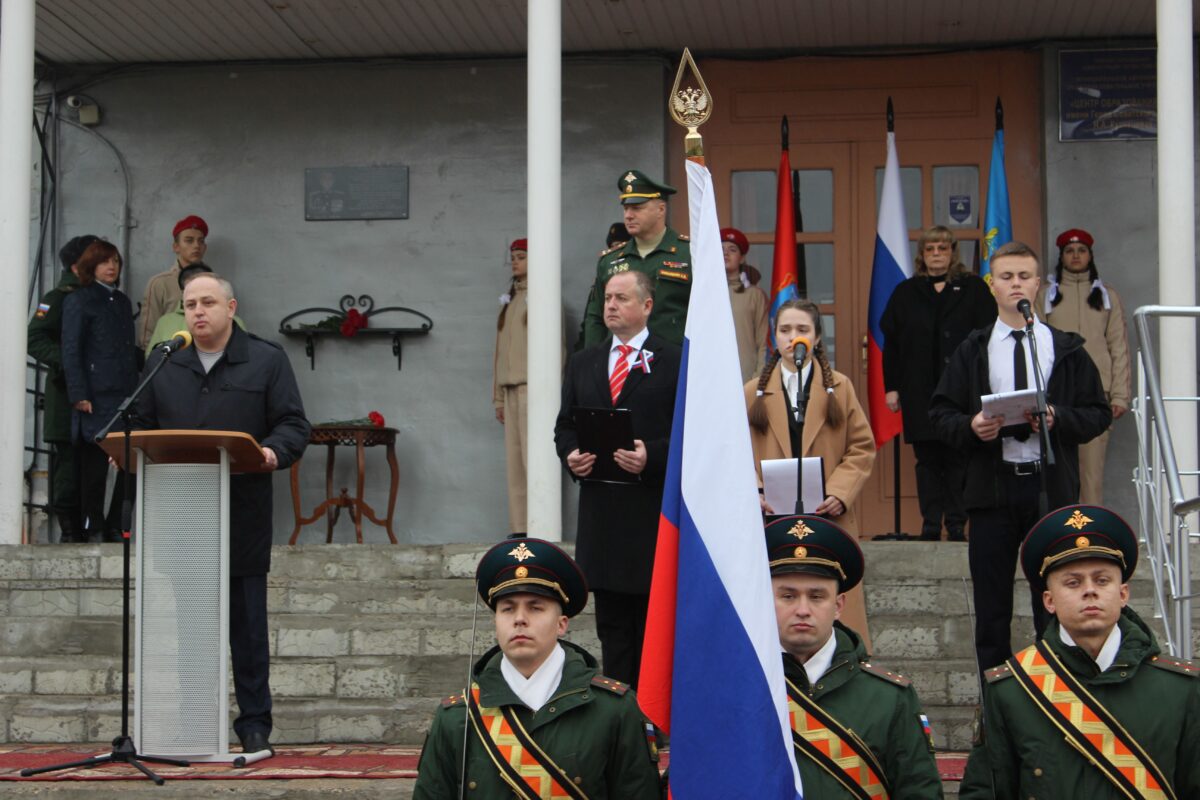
{"points": [[45, 345], [882, 708], [670, 268], [590, 728], [1154, 697]]}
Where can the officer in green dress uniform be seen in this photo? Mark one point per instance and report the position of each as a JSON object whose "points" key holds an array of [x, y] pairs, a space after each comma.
{"points": [[541, 719], [1095, 709], [840, 701], [44, 343], [652, 248]]}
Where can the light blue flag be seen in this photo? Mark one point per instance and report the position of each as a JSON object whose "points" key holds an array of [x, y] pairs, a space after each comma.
{"points": [[997, 217]]}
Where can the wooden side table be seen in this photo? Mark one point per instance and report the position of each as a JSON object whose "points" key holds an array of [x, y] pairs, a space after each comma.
{"points": [[360, 437]]}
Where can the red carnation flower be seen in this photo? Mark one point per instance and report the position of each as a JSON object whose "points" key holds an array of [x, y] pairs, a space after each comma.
{"points": [[376, 419]]}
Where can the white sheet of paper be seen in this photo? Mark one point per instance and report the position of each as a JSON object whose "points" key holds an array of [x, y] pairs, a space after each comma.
{"points": [[1010, 405], [779, 483]]}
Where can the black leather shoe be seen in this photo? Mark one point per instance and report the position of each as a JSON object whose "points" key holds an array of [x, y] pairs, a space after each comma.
{"points": [[256, 741], [958, 536]]}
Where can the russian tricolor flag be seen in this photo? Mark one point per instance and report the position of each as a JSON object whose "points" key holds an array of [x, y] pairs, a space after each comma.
{"points": [[892, 266], [712, 675]]}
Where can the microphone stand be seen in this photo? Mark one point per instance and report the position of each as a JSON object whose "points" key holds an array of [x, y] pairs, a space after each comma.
{"points": [[1047, 455], [124, 751], [799, 509]]}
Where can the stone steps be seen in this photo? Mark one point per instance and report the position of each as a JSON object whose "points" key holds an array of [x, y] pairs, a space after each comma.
{"points": [[366, 639]]}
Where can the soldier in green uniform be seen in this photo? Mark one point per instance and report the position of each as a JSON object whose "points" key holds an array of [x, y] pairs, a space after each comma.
{"points": [[840, 701], [540, 719], [652, 248], [45, 345], [1095, 709]]}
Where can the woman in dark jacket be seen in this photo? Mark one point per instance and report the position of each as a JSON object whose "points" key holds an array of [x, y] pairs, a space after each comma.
{"points": [[926, 318], [100, 366]]}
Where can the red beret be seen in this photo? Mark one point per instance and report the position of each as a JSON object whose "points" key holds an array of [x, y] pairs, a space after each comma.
{"points": [[519, 244], [737, 237], [1074, 235], [188, 223]]}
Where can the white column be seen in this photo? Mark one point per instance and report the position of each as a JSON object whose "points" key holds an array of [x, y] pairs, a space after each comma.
{"points": [[1176, 224], [544, 204], [16, 176]]}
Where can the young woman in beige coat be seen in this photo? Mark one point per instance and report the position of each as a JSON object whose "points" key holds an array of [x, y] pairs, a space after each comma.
{"points": [[1076, 300], [834, 426], [509, 375]]}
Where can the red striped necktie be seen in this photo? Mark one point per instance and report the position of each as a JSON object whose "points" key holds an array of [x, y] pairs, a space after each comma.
{"points": [[620, 372]]}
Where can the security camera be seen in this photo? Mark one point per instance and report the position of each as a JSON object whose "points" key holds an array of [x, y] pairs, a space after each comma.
{"points": [[74, 101]]}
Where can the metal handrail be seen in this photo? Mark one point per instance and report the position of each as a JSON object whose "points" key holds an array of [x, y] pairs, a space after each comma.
{"points": [[1168, 552]]}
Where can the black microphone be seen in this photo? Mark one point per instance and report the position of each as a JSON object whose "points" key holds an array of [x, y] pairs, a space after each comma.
{"points": [[800, 348], [182, 340], [1026, 312]]}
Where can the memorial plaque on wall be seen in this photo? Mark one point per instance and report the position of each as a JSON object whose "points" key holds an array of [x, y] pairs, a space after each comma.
{"points": [[1107, 95], [356, 193]]}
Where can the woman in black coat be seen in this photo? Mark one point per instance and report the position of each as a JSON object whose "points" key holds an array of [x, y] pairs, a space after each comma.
{"points": [[100, 365], [926, 318]]}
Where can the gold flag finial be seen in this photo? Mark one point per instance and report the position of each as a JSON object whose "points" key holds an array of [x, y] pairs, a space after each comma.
{"points": [[690, 106]]}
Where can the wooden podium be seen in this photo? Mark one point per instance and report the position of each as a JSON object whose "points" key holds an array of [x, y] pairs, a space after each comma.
{"points": [[181, 569]]}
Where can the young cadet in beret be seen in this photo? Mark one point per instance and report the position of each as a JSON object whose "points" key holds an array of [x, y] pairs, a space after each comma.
{"points": [[837, 697], [749, 304], [653, 248], [163, 293], [44, 343], [541, 719], [1077, 300], [510, 378], [1095, 709]]}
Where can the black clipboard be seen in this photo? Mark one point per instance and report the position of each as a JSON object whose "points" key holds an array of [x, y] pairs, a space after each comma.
{"points": [[603, 431]]}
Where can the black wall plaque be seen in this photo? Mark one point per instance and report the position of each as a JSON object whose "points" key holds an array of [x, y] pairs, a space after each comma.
{"points": [[356, 192], [1107, 94]]}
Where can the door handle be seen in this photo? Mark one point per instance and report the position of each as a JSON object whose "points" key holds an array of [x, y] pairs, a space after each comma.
{"points": [[863, 363]]}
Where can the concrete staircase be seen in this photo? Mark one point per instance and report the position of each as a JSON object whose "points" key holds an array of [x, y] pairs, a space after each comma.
{"points": [[365, 639]]}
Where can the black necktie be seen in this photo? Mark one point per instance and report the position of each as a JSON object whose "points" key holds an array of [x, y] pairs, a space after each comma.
{"points": [[1020, 373]]}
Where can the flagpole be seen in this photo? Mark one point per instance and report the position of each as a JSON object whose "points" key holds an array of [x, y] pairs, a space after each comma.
{"points": [[897, 530]]}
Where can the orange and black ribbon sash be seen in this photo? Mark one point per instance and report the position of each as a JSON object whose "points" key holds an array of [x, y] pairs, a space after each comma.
{"points": [[1088, 725], [835, 748], [523, 765]]}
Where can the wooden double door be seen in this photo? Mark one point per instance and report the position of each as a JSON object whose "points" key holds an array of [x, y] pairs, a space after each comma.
{"points": [[945, 120]]}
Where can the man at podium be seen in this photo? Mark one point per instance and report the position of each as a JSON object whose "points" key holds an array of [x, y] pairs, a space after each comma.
{"points": [[234, 381]]}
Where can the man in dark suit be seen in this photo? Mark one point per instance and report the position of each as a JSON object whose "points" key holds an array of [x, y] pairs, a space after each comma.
{"points": [[618, 522]]}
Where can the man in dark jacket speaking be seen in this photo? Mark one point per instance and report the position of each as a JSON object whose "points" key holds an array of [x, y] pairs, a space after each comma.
{"points": [[1004, 456], [234, 381]]}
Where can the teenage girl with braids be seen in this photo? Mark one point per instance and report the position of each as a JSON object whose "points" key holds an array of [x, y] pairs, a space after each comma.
{"points": [[813, 413], [1076, 300], [509, 381]]}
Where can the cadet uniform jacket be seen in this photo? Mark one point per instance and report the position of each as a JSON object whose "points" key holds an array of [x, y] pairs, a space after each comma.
{"points": [[1103, 331], [591, 727], [882, 708], [162, 295], [511, 364], [1155, 698], [1081, 413], [669, 266], [45, 344], [849, 450], [750, 325], [251, 389]]}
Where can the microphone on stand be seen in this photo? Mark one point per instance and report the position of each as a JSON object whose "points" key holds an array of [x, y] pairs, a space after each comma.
{"points": [[800, 347], [1026, 312], [182, 340]]}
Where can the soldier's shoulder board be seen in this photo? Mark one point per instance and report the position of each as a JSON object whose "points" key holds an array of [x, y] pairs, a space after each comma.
{"points": [[997, 673], [453, 700], [617, 246], [1181, 665], [616, 687], [883, 674]]}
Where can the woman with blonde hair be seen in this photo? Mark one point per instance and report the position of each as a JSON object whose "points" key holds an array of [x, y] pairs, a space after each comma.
{"points": [[925, 320], [813, 411]]}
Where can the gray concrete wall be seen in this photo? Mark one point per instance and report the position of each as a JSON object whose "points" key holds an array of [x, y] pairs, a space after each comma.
{"points": [[1108, 189], [231, 144]]}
